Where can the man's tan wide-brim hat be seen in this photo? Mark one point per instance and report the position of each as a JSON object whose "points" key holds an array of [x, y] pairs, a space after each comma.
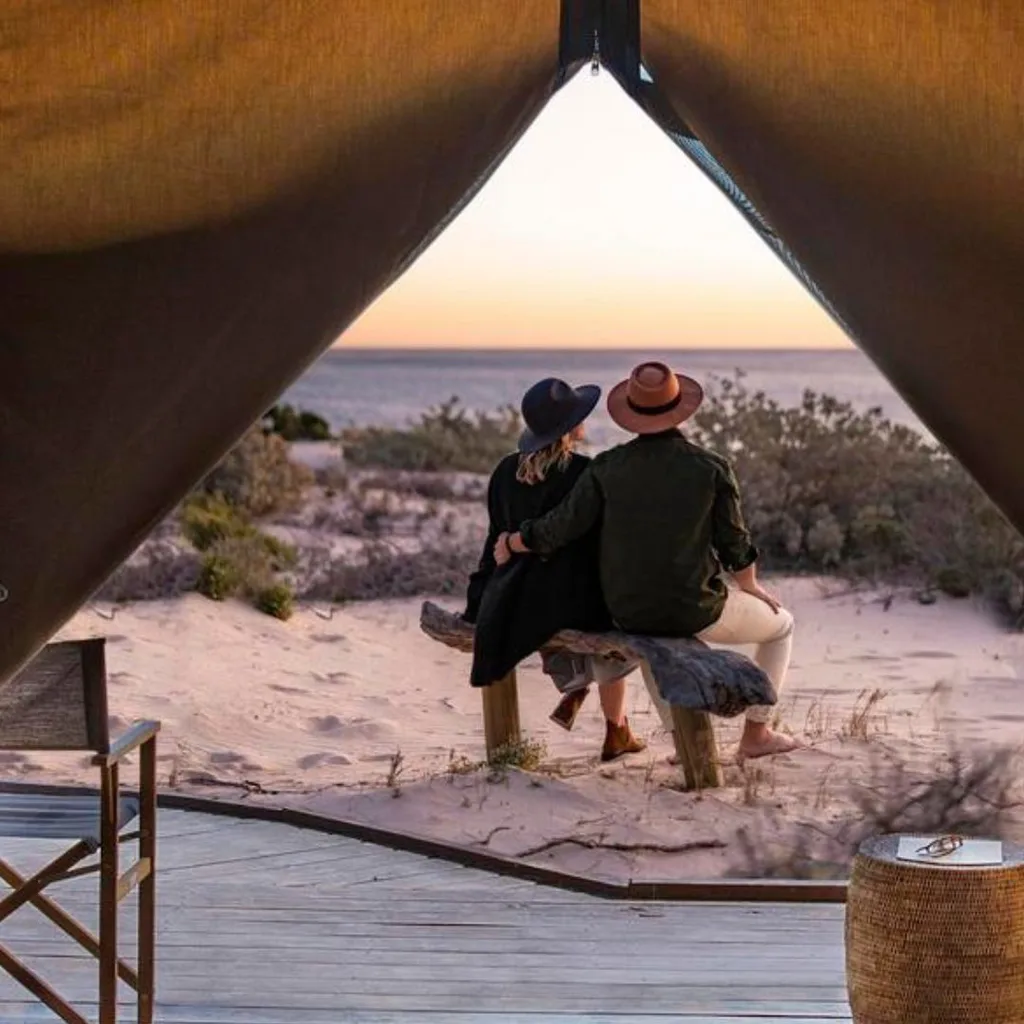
{"points": [[654, 399]]}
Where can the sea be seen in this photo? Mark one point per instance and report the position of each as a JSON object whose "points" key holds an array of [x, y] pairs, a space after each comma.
{"points": [[393, 387]]}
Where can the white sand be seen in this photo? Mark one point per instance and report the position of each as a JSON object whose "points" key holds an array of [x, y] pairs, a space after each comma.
{"points": [[312, 712]]}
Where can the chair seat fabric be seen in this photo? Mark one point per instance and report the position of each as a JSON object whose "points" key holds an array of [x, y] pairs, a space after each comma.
{"points": [[38, 816]]}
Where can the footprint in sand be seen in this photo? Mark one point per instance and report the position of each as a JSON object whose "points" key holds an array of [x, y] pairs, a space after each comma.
{"points": [[328, 638], [119, 678], [311, 761], [929, 654], [226, 757], [325, 723], [11, 759], [357, 728], [298, 690]]}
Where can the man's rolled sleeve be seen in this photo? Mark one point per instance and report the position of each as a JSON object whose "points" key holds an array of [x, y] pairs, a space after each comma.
{"points": [[567, 521], [731, 538]]}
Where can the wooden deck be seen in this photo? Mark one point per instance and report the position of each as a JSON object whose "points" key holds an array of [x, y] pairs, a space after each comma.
{"points": [[269, 924]]}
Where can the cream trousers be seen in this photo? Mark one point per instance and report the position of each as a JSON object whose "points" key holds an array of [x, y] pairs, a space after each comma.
{"points": [[745, 619]]}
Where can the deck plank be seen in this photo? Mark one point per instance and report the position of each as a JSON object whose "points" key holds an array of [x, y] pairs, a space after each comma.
{"points": [[265, 924]]}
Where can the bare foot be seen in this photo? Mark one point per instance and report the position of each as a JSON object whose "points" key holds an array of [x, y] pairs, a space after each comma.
{"points": [[764, 744]]}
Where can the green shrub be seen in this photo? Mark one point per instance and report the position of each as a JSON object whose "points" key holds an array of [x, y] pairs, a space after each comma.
{"points": [[297, 424], [258, 478], [219, 577], [445, 438], [209, 518], [828, 488], [278, 600]]}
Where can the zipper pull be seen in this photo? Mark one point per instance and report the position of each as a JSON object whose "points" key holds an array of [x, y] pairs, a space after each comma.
{"points": [[595, 58]]}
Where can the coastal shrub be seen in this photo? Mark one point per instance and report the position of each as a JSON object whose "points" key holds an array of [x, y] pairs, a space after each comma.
{"points": [[278, 600], [432, 487], [257, 476], [380, 572], [244, 561], [209, 518], [447, 437], [296, 424], [159, 569], [219, 577], [828, 488]]}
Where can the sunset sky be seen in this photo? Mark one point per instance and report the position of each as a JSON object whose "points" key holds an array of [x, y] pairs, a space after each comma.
{"points": [[597, 231]]}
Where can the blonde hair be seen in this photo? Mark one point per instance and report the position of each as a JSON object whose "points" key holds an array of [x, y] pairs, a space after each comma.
{"points": [[535, 466]]}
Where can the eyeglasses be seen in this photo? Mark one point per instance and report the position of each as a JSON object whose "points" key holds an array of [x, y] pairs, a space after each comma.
{"points": [[941, 847]]}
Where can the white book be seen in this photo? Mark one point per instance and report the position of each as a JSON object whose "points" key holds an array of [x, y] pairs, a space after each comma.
{"points": [[973, 852]]}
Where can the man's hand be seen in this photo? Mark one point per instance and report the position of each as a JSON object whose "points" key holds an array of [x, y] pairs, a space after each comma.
{"points": [[756, 590]]}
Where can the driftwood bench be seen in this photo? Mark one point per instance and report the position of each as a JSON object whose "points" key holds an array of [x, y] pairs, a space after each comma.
{"points": [[687, 680]]}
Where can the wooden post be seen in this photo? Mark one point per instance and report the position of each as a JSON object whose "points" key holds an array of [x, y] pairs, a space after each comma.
{"points": [[110, 798], [696, 748], [147, 887], [501, 714]]}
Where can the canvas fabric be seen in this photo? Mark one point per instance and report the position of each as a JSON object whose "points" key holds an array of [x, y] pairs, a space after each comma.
{"points": [[197, 198]]}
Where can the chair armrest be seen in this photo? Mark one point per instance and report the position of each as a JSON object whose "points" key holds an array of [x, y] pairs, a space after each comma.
{"points": [[139, 733]]}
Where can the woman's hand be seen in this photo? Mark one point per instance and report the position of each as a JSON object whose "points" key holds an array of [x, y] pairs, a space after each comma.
{"points": [[502, 552], [756, 590]]}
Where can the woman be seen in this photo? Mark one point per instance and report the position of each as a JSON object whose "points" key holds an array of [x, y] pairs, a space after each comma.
{"points": [[521, 606]]}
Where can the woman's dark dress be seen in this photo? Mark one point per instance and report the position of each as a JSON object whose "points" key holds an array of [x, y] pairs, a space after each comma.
{"points": [[520, 606]]}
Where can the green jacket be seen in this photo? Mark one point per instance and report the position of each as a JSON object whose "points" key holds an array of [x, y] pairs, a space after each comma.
{"points": [[670, 523]]}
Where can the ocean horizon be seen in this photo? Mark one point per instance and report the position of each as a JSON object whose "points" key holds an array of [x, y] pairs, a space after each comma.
{"points": [[392, 387]]}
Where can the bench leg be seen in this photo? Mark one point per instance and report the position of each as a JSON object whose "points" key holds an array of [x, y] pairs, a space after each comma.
{"points": [[660, 704], [696, 749], [501, 714], [694, 735]]}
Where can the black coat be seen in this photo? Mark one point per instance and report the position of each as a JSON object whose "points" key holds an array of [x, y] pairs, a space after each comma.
{"points": [[520, 606]]}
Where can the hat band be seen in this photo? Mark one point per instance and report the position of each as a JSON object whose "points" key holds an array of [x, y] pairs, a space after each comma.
{"points": [[654, 410]]}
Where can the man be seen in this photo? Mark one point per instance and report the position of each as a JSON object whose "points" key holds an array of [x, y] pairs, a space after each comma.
{"points": [[671, 523]]}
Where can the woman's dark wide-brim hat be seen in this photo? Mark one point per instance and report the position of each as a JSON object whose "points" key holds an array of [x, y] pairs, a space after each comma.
{"points": [[654, 399], [551, 409]]}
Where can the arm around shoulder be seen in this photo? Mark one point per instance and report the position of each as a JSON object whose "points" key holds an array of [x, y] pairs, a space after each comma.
{"points": [[567, 521]]}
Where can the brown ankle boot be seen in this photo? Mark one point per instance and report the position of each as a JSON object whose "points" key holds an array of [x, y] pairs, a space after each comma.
{"points": [[619, 740], [568, 708]]}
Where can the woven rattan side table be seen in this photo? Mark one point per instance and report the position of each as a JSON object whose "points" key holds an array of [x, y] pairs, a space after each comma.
{"points": [[934, 943]]}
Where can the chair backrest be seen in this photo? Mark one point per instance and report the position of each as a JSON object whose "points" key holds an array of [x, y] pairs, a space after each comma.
{"points": [[58, 701]]}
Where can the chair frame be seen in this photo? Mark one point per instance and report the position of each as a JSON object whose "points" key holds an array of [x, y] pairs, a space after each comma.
{"points": [[114, 886]]}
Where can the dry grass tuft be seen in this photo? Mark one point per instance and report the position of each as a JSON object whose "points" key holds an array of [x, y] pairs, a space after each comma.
{"points": [[975, 794], [527, 755], [865, 719]]}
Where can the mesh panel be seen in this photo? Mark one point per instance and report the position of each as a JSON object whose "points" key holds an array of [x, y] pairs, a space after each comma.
{"points": [[702, 157], [44, 707]]}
